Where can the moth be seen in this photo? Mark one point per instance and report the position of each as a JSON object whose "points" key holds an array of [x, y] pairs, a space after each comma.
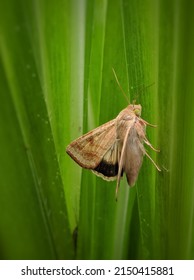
{"points": [[114, 148]]}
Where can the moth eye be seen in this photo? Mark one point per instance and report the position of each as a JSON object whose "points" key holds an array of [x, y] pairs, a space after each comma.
{"points": [[137, 112]]}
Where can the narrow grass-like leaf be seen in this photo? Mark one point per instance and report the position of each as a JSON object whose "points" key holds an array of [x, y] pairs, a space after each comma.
{"points": [[34, 222]]}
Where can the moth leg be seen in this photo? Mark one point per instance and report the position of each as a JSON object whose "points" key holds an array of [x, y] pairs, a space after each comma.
{"points": [[152, 160], [150, 145], [119, 172], [121, 160], [147, 123]]}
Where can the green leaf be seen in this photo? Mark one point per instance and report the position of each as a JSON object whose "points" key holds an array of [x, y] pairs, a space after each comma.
{"points": [[34, 220]]}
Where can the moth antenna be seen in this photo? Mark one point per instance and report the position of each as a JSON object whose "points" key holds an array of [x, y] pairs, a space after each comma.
{"points": [[121, 161], [152, 161], [143, 88], [167, 170], [150, 85], [120, 86]]}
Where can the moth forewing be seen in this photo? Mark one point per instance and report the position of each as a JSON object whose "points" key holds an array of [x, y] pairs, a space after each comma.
{"points": [[88, 150]]}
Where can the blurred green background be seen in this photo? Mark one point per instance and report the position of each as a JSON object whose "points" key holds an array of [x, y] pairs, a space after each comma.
{"points": [[56, 83]]}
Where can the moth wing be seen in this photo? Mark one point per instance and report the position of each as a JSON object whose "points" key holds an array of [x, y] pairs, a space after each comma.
{"points": [[89, 149], [109, 165], [128, 162], [134, 153]]}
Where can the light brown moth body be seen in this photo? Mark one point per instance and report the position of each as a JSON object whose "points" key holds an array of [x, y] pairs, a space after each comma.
{"points": [[115, 147]]}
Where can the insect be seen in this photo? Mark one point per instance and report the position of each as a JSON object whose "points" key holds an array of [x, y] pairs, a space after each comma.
{"points": [[114, 148]]}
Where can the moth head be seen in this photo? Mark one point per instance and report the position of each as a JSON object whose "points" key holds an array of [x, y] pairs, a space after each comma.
{"points": [[136, 109]]}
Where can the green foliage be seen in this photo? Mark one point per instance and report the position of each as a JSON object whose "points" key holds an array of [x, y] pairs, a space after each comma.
{"points": [[56, 82]]}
